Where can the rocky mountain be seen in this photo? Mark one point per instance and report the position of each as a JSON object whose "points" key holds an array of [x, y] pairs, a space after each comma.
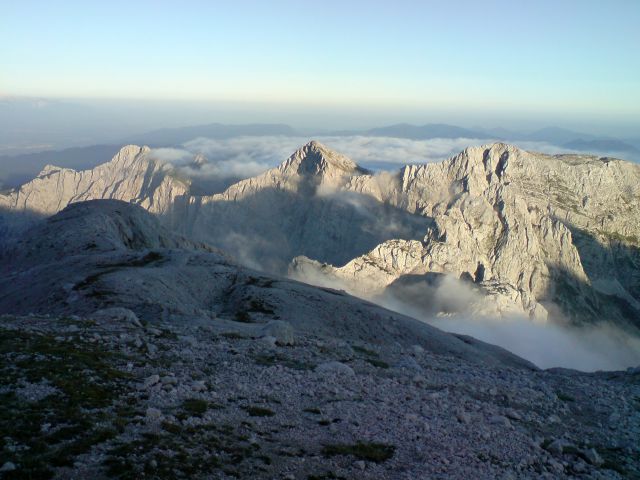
{"points": [[17, 170], [131, 176], [529, 234], [149, 354], [534, 231], [303, 205], [128, 349], [107, 253]]}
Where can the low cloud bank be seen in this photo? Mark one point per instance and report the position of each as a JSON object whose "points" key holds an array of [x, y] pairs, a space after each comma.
{"points": [[589, 348], [458, 307], [243, 157]]}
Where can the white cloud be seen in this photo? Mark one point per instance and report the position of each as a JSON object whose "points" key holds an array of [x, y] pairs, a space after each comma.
{"points": [[243, 157], [448, 304], [589, 348], [546, 344], [175, 156]]}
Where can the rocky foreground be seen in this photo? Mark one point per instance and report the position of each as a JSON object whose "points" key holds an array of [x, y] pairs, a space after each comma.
{"points": [[109, 396]]}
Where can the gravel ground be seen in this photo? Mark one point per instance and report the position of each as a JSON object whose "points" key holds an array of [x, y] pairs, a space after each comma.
{"points": [[109, 397]]}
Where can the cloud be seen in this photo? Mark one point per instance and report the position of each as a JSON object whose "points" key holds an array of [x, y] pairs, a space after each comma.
{"points": [[243, 157], [390, 152], [457, 306], [588, 348], [452, 305], [175, 156]]}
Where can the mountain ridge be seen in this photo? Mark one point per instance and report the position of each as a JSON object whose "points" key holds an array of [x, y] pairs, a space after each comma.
{"points": [[533, 224]]}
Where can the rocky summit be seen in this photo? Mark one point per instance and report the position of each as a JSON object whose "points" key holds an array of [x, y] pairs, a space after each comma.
{"points": [[542, 236], [150, 332]]}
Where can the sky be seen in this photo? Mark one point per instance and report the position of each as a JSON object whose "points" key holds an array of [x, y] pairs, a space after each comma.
{"points": [[573, 59]]}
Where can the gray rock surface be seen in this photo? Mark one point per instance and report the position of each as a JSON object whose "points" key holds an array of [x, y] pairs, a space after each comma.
{"points": [[197, 392], [132, 175], [335, 368], [235, 408], [100, 254], [537, 234], [117, 314], [534, 232]]}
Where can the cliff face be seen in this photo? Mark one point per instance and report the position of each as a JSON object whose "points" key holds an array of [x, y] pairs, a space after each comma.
{"points": [[131, 176], [533, 230], [530, 232], [303, 206]]}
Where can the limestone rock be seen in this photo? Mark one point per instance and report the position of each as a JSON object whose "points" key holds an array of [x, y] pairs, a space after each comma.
{"points": [[513, 224], [132, 175], [280, 330], [118, 314], [337, 368]]}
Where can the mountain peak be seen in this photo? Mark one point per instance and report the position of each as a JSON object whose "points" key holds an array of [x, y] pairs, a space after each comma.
{"points": [[314, 158], [129, 154]]}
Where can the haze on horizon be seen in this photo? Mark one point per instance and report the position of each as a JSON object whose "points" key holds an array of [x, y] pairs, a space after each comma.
{"points": [[147, 64]]}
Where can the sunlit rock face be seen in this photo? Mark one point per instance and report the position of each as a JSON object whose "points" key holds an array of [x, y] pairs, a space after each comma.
{"points": [[531, 234], [132, 176], [534, 232]]}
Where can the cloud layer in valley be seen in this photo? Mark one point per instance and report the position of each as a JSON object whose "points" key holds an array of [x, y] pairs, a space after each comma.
{"points": [[452, 306], [243, 157], [547, 344]]}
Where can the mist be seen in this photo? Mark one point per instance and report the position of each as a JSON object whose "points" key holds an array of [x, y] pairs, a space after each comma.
{"points": [[237, 151], [457, 306], [232, 159]]}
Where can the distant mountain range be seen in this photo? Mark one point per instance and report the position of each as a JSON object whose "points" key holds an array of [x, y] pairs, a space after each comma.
{"points": [[424, 132], [167, 137], [601, 145]]}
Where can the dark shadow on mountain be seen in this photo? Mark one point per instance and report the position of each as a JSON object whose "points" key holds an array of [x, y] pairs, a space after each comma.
{"points": [[621, 260], [267, 229], [210, 185], [575, 300], [13, 224]]}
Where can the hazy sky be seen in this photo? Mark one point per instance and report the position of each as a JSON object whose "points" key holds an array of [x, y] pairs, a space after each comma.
{"points": [[570, 57]]}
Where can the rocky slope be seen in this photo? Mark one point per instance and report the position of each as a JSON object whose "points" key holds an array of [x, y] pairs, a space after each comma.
{"points": [[152, 355], [106, 253], [132, 175], [532, 230], [104, 396], [536, 235]]}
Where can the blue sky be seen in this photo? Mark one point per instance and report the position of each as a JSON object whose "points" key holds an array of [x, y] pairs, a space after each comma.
{"points": [[510, 56]]}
